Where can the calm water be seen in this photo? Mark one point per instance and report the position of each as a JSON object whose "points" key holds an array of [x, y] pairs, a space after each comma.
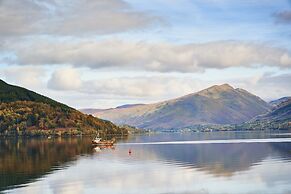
{"points": [[181, 165]]}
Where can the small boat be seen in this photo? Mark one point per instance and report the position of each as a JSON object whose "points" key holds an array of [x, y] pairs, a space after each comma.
{"points": [[96, 140], [100, 142]]}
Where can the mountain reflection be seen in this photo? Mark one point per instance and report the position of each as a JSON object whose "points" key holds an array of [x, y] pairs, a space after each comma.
{"points": [[223, 159], [215, 159], [24, 161]]}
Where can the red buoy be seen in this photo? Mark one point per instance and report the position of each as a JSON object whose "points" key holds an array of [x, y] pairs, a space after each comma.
{"points": [[129, 151]]}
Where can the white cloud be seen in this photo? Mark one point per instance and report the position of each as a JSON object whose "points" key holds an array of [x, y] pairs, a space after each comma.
{"points": [[65, 79], [70, 17], [26, 76], [148, 88], [268, 86], [265, 86], [20, 17], [142, 87], [137, 87], [101, 17], [126, 88], [160, 57], [285, 59], [68, 86]]}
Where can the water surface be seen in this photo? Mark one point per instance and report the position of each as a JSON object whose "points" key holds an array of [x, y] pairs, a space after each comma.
{"points": [[220, 162]]}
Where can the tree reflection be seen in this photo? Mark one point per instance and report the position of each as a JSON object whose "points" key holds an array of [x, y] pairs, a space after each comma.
{"points": [[23, 161]]}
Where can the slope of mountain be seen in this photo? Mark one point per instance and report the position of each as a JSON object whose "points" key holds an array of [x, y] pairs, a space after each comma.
{"points": [[279, 118], [128, 105], [215, 105], [280, 113], [24, 112], [279, 101], [10, 93]]}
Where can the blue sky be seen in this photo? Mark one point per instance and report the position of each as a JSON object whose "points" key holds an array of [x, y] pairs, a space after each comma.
{"points": [[215, 20], [105, 53]]}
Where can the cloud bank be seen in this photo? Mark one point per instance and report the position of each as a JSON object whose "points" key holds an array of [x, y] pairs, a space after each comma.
{"points": [[267, 86], [159, 57], [70, 17]]}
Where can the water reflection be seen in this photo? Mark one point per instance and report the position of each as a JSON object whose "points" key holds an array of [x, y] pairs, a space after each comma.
{"points": [[25, 160], [176, 168], [218, 159], [103, 147]]}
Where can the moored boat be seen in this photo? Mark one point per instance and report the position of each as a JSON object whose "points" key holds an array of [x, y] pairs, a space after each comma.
{"points": [[99, 141]]}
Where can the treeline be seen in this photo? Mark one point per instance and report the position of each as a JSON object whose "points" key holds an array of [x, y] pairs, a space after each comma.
{"points": [[265, 125], [29, 118]]}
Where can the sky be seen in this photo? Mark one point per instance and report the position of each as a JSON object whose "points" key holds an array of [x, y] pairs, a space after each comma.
{"points": [[105, 53]]}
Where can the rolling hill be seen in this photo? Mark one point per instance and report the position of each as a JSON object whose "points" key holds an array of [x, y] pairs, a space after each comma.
{"points": [[95, 110], [219, 104], [10, 93], [278, 118], [277, 102], [24, 112]]}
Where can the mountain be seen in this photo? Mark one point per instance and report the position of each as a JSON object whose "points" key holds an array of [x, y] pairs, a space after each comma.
{"points": [[93, 111], [128, 105], [219, 104], [279, 117], [275, 103], [24, 112], [280, 113]]}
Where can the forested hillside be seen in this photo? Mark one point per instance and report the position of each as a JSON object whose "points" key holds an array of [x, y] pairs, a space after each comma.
{"points": [[23, 112], [279, 118]]}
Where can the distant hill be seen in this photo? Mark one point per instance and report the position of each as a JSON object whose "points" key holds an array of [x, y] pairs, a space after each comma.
{"points": [[277, 118], [280, 112], [279, 101], [24, 112], [219, 104], [129, 105], [93, 111]]}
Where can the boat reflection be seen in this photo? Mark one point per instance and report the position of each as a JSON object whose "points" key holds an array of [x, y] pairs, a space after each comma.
{"points": [[99, 148]]}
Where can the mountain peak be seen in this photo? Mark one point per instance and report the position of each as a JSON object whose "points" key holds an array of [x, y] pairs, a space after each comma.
{"points": [[222, 87], [216, 89], [219, 104]]}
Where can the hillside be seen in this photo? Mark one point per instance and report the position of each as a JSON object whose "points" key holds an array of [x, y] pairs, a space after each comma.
{"points": [[277, 102], [215, 105], [10, 93], [24, 112], [277, 118]]}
